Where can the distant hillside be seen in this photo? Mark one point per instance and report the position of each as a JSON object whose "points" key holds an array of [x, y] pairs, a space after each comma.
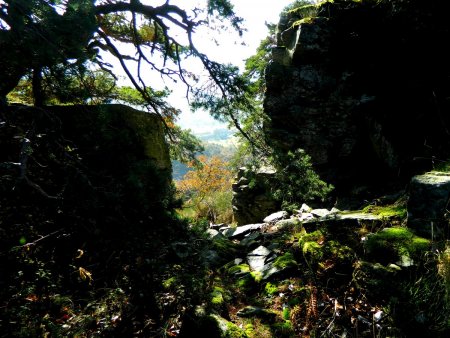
{"points": [[219, 142], [221, 134]]}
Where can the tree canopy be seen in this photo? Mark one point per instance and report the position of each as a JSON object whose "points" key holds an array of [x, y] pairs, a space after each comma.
{"points": [[46, 38]]}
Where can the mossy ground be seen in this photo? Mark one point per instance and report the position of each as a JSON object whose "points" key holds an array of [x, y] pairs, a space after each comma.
{"points": [[331, 284]]}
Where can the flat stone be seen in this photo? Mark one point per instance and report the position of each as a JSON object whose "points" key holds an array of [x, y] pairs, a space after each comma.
{"points": [[255, 311], [276, 217], [355, 216], [286, 224], [242, 230], [218, 226], [305, 208], [257, 259], [306, 216], [250, 239], [320, 212], [212, 233]]}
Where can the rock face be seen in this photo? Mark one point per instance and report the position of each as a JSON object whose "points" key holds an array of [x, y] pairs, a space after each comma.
{"points": [[428, 201], [362, 88], [147, 128], [90, 157], [251, 198]]}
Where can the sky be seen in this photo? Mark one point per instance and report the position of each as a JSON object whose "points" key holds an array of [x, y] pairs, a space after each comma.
{"points": [[231, 49], [255, 14]]}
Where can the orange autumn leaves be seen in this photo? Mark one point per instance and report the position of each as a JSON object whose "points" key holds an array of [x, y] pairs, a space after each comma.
{"points": [[207, 187]]}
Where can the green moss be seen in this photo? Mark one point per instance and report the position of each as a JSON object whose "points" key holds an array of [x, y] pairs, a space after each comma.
{"points": [[285, 261], [249, 330], [393, 243], [246, 282], [241, 268], [338, 251], [216, 296], [418, 245], [233, 331], [315, 236], [282, 330], [312, 251], [387, 211], [286, 313], [169, 283], [225, 247], [309, 244], [443, 166], [255, 328], [270, 289], [257, 276], [302, 22], [304, 11]]}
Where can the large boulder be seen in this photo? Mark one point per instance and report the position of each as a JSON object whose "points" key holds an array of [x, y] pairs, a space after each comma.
{"points": [[252, 200], [428, 202], [362, 88], [88, 167]]}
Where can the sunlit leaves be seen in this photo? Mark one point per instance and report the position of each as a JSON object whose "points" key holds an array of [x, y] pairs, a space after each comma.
{"points": [[85, 275], [207, 187]]}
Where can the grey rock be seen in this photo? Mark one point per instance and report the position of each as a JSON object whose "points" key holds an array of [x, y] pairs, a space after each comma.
{"points": [[321, 99], [251, 239], [214, 233], [218, 226], [305, 208], [238, 261], [428, 199], [261, 261], [255, 311], [305, 217], [252, 202], [258, 258], [181, 249], [276, 217], [212, 258], [286, 224], [241, 231], [320, 212]]}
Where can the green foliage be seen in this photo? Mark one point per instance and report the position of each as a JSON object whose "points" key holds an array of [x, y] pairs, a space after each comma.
{"points": [[270, 289], [207, 188], [58, 41], [286, 313], [184, 146], [298, 5], [283, 329], [297, 180], [444, 269]]}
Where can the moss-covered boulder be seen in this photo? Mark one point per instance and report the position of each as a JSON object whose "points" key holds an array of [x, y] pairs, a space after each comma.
{"points": [[203, 325], [396, 245]]}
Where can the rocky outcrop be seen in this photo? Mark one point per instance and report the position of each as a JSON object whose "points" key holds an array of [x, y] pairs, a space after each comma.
{"points": [[147, 129], [252, 200], [362, 87], [428, 204], [97, 162]]}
